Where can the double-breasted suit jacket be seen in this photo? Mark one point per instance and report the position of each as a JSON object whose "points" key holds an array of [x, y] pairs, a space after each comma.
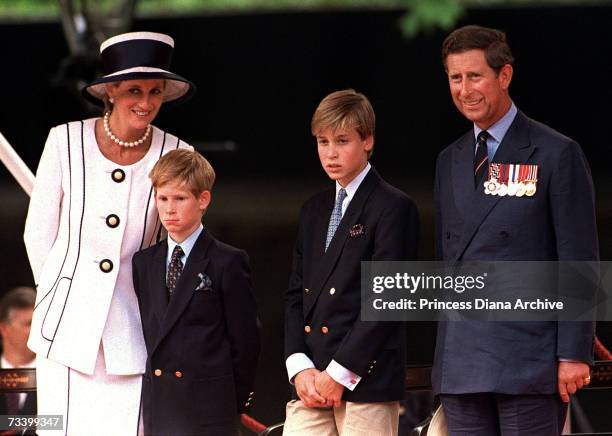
{"points": [[203, 345], [87, 217], [323, 301], [557, 223]]}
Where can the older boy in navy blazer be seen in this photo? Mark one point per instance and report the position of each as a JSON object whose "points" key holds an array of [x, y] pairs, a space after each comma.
{"points": [[198, 311], [348, 374]]}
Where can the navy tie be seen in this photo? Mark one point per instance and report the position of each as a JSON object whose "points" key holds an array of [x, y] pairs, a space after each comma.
{"points": [[336, 217], [481, 157], [175, 268]]}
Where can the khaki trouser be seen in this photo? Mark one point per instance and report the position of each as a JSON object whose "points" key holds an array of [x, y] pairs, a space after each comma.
{"points": [[350, 419]]}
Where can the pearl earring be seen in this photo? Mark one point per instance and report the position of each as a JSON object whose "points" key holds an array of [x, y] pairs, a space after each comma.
{"points": [[111, 100]]}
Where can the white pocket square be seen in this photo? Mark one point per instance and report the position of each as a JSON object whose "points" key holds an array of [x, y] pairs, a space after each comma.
{"points": [[205, 283]]}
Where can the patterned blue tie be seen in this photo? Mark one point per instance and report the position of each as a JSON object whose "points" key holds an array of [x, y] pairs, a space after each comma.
{"points": [[335, 218], [175, 268]]}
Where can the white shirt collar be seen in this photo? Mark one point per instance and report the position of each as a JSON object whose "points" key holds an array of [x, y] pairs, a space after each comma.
{"points": [[186, 245], [352, 187]]}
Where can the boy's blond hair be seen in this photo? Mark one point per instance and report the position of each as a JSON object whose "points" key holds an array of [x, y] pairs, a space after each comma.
{"points": [[184, 166], [344, 110]]}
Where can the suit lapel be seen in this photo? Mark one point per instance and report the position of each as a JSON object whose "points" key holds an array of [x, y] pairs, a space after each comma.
{"points": [[329, 258], [159, 293], [516, 147], [319, 231], [196, 263]]}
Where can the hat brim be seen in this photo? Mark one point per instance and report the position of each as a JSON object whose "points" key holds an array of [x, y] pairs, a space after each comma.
{"points": [[177, 89]]}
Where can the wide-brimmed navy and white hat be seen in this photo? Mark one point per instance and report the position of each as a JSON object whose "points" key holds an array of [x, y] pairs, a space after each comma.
{"points": [[136, 56]]}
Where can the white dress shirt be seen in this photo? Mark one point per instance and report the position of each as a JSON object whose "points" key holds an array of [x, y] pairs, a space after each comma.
{"points": [[186, 246]]}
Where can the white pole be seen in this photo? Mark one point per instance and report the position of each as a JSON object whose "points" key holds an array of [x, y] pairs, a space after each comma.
{"points": [[16, 166]]}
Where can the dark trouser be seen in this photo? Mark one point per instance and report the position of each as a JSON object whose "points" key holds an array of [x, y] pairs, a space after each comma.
{"points": [[490, 414]]}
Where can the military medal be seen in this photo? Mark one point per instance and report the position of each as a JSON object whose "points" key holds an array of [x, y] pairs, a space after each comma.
{"points": [[531, 180], [520, 189], [502, 190], [491, 184], [513, 173]]}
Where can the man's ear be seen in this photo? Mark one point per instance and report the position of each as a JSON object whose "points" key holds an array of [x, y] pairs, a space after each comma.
{"points": [[204, 200], [505, 76], [2, 327]]}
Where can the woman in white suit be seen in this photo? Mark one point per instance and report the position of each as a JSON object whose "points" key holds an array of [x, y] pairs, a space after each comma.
{"points": [[91, 209]]}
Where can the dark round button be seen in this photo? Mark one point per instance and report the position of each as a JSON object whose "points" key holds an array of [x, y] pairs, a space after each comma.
{"points": [[112, 220], [106, 265], [118, 175]]}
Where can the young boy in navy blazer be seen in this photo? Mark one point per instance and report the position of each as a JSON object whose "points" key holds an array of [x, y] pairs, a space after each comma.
{"points": [[348, 374], [198, 311]]}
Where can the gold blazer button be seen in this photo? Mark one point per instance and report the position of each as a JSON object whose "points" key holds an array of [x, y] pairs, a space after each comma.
{"points": [[157, 372], [325, 330], [332, 291], [106, 265], [178, 374], [307, 329], [118, 176], [112, 220]]}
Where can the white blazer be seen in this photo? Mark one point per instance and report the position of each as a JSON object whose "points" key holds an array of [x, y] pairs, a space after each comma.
{"points": [[87, 217]]}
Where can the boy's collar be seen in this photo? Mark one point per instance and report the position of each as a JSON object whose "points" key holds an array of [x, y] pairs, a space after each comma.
{"points": [[188, 243], [352, 187]]}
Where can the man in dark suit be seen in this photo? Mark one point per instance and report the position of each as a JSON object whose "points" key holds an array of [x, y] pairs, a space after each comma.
{"points": [[16, 308], [510, 378], [348, 374], [198, 312]]}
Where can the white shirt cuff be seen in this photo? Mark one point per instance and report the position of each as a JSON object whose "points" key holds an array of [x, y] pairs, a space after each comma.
{"points": [[340, 374], [297, 362]]}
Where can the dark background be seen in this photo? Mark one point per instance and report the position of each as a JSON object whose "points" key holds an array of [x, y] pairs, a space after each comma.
{"points": [[259, 79]]}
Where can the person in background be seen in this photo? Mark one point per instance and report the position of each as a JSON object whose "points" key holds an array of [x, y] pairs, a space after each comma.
{"points": [[16, 308]]}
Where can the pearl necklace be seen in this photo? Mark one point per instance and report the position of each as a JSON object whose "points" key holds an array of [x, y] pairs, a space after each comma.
{"points": [[119, 141]]}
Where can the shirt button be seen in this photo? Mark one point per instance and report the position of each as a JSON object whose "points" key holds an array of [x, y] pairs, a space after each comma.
{"points": [[112, 220], [307, 329], [306, 291], [178, 374], [332, 291], [118, 175], [325, 330], [353, 381], [157, 372], [106, 265]]}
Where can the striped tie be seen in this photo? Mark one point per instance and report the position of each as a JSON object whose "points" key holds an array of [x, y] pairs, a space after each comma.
{"points": [[481, 158]]}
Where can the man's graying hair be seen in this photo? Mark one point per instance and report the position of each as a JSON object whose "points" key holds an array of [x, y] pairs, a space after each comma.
{"points": [[491, 41], [17, 298]]}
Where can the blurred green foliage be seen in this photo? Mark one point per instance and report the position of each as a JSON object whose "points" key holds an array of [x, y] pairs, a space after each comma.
{"points": [[421, 15]]}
